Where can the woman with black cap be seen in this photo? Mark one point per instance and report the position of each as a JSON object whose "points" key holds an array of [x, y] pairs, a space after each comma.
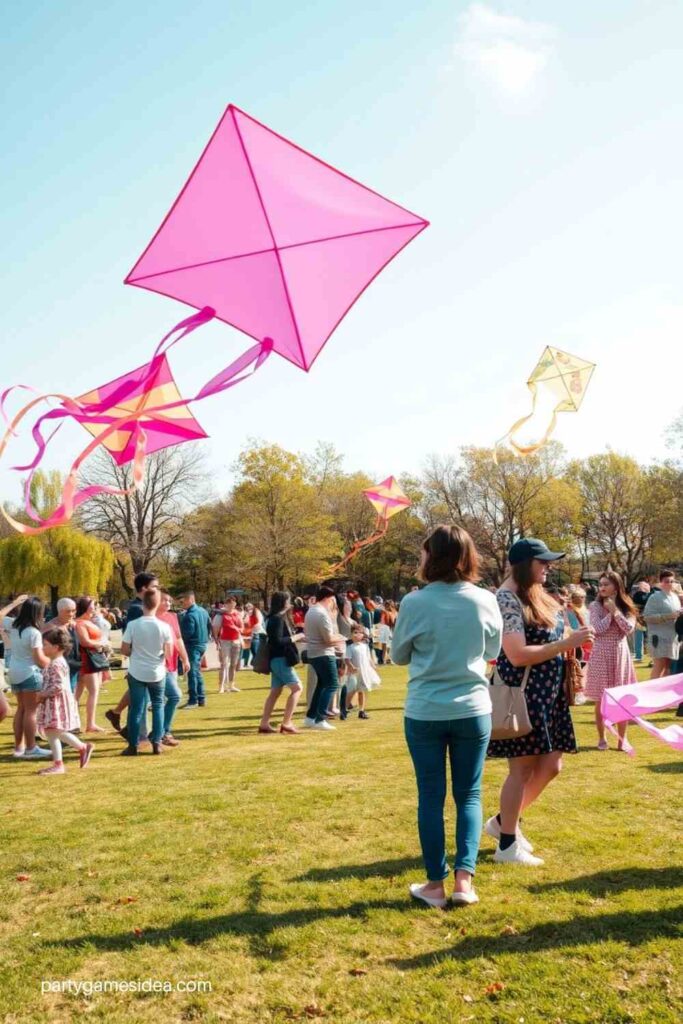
{"points": [[533, 645]]}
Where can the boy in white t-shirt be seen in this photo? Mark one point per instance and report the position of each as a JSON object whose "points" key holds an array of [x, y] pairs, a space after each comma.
{"points": [[148, 643]]}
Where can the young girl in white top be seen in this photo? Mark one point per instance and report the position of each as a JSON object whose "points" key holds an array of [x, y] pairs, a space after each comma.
{"points": [[57, 709], [362, 677]]}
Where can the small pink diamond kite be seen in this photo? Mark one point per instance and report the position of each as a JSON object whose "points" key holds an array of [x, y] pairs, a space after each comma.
{"points": [[387, 499]]}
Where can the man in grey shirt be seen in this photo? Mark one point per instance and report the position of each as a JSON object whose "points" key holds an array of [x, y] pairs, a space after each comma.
{"points": [[661, 611], [321, 638]]}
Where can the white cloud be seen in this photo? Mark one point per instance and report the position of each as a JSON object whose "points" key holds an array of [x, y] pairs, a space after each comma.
{"points": [[508, 51]]}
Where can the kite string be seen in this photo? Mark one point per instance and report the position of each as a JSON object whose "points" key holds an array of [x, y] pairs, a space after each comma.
{"points": [[381, 527]]}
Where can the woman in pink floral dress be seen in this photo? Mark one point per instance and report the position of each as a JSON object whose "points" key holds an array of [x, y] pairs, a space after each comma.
{"points": [[613, 617], [57, 708]]}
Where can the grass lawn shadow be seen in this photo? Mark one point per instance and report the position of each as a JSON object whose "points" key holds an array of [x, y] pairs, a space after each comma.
{"points": [[631, 927], [667, 767], [255, 925], [603, 883], [375, 869]]}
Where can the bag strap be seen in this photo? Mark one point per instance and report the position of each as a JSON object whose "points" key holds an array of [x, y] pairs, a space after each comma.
{"points": [[525, 678], [498, 680]]}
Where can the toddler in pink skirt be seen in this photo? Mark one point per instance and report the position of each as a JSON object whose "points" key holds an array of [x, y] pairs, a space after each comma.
{"points": [[57, 710]]}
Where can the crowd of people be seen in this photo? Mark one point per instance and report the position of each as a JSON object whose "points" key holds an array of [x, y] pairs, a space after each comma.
{"points": [[71, 652], [553, 645]]}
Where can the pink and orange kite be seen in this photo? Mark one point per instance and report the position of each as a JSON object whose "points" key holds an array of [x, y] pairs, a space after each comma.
{"points": [[263, 236], [387, 499]]}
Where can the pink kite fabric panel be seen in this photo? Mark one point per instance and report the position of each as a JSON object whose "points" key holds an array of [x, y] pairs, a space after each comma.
{"points": [[279, 243], [246, 292], [217, 215], [629, 703], [307, 200], [324, 279]]}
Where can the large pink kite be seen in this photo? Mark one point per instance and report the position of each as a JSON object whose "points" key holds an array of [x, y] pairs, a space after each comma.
{"points": [[263, 236], [276, 241]]}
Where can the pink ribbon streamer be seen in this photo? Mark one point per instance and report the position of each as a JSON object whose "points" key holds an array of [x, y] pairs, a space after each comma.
{"points": [[99, 413], [629, 703]]}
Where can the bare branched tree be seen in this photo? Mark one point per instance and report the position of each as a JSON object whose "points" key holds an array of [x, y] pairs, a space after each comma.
{"points": [[142, 526]]}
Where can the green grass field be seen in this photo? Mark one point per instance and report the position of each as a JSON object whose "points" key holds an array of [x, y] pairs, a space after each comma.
{"points": [[276, 869]]}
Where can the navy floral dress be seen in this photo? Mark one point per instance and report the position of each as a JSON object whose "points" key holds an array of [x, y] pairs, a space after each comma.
{"points": [[552, 727]]}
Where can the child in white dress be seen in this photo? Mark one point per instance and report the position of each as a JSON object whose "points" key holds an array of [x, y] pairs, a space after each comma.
{"points": [[362, 677]]}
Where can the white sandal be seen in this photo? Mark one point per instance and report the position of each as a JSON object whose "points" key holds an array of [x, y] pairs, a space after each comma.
{"points": [[464, 899], [431, 901]]}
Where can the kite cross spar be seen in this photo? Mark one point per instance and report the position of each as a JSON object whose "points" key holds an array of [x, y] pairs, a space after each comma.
{"points": [[263, 236]]}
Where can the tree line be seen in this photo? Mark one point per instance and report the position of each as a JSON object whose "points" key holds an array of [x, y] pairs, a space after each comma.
{"points": [[288, 517]]}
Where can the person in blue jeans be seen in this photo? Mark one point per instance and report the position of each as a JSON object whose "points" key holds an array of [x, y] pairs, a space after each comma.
{"points": [[148, 643], [323, 642], [446, 633], [172, 694], [195, 628]]}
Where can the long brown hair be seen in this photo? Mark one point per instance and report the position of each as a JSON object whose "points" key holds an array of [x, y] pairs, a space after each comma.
{"points": [[621, 598], [538, 606]]}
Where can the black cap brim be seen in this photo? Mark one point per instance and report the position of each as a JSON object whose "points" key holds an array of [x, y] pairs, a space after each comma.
{"points": [[551, 556]]}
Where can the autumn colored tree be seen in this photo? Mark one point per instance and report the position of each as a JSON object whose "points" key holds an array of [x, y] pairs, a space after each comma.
{"points": [[623, 511], [283, 536]]}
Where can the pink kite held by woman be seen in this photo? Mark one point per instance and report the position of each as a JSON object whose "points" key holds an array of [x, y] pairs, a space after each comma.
{"points": [[263, 236], [629, 703]]}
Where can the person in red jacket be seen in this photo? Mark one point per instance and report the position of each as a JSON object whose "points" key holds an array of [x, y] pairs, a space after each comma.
{"points": [[228, 635]]}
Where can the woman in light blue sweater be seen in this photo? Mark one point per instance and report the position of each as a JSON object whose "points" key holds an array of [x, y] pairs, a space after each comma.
{"points": [[447, 632]]}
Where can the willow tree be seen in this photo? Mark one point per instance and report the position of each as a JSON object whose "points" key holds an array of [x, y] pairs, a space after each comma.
{"points": [[59, 562], [63, 561]]}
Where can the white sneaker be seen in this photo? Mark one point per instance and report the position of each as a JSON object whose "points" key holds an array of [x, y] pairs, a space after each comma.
{"points": [[37, 752], [18, 753], [323, 726], [516, 854], [492, 828], [309, 723]]}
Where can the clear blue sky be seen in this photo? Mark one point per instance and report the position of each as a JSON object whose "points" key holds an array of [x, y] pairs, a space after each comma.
{"points": [[541, 139]]}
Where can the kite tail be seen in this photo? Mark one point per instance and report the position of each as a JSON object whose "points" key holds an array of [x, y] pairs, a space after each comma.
{"points": [[527, 449], [100, 414], [185, 327], [382, 527]]}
